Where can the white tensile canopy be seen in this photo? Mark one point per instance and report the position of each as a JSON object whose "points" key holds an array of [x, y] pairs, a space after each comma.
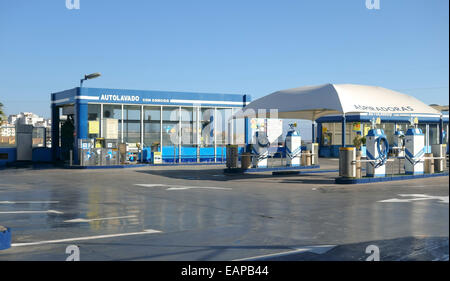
{"points": [[312, 102]]}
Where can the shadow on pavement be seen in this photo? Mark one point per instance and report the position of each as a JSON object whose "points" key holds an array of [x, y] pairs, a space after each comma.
{"points": [[398, 249], [218, 175]]}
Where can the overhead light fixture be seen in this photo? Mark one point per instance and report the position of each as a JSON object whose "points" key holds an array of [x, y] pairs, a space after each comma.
{"points": [[89, 76]]}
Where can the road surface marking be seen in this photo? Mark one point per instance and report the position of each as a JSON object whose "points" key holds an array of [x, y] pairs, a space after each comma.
{"points": [[29, 202], [320, 249], [181, 187], [198, 187], [99, 219], [32, 212], [146, 231], [418, 197]]}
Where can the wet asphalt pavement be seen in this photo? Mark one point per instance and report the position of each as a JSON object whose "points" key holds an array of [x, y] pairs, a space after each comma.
{"points": [[198, 213]]}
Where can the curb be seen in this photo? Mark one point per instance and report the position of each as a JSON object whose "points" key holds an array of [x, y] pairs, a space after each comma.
{"points": [[384, 179], [275, 169]]}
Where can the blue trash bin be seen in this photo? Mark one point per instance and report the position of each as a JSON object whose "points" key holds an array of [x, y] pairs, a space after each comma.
{"points": [[5, 238]]}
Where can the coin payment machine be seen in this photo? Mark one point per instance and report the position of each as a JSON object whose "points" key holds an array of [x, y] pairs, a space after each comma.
{"points": [[293, 145], [110, 153], [414, 151]]}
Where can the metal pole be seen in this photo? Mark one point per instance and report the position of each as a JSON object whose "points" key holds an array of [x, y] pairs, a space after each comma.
{"points": [[441, 128], [197, 135], [343, 129], [121, 124], [215, 131], [142, 134], [101, 121], [179, 134], [161, 130], [45, 137], [245, 124]]}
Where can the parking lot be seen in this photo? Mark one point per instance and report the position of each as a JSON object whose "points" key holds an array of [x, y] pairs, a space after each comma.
{"points": [[199, 213]]}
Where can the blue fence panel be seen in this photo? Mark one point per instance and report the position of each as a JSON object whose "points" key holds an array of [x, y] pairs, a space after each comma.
{"points": [[188, 154], [325, 151], [42, 154], [9, 153], [335, 151], [207, 154]]}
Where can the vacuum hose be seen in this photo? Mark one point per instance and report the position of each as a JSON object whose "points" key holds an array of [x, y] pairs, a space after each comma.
{"points": [[262, 140], [382, 153]]}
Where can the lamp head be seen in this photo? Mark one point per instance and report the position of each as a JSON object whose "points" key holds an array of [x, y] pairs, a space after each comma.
{"points": [[92, 75]]}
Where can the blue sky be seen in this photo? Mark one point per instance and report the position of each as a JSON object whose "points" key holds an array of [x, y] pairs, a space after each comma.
{"points": [[224, 46]]}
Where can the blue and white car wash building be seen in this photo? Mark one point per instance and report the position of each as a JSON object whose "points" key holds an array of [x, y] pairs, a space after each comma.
{"points": [[182, 126]]}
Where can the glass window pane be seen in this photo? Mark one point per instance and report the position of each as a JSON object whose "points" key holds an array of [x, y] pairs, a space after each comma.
{"points": [[152, 125], [239, 130], [93, 121], [7, 136], [206, 126], [389, 130], [445, 139], [327, 134], [112, 115], [434, 134], [152, 113], [132, 124], [187, 126], [38, 137], [170, 126], [222, 130]]}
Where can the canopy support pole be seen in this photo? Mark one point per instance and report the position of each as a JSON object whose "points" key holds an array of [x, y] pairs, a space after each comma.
{"points": [[343, 129], [441, 127], [246, 131], [313, 138]]}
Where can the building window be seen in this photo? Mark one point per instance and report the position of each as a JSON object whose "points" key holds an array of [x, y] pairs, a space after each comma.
{"points": [[238, 129], [223, 126], [445, 138], [332, 133], [132, 124], [434, 134], [152, 125], [38, 137], [93, 120], [188, 121], [207, 126], [170, 126], [389, 131], [112, 120]]}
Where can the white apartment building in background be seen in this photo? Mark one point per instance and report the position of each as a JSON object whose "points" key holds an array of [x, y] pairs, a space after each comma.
{"points": [[8, 128], [28, 118], [7, 131]]}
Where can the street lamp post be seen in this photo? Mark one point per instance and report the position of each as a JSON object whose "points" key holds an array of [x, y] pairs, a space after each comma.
{"points": [[89, 76]]}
